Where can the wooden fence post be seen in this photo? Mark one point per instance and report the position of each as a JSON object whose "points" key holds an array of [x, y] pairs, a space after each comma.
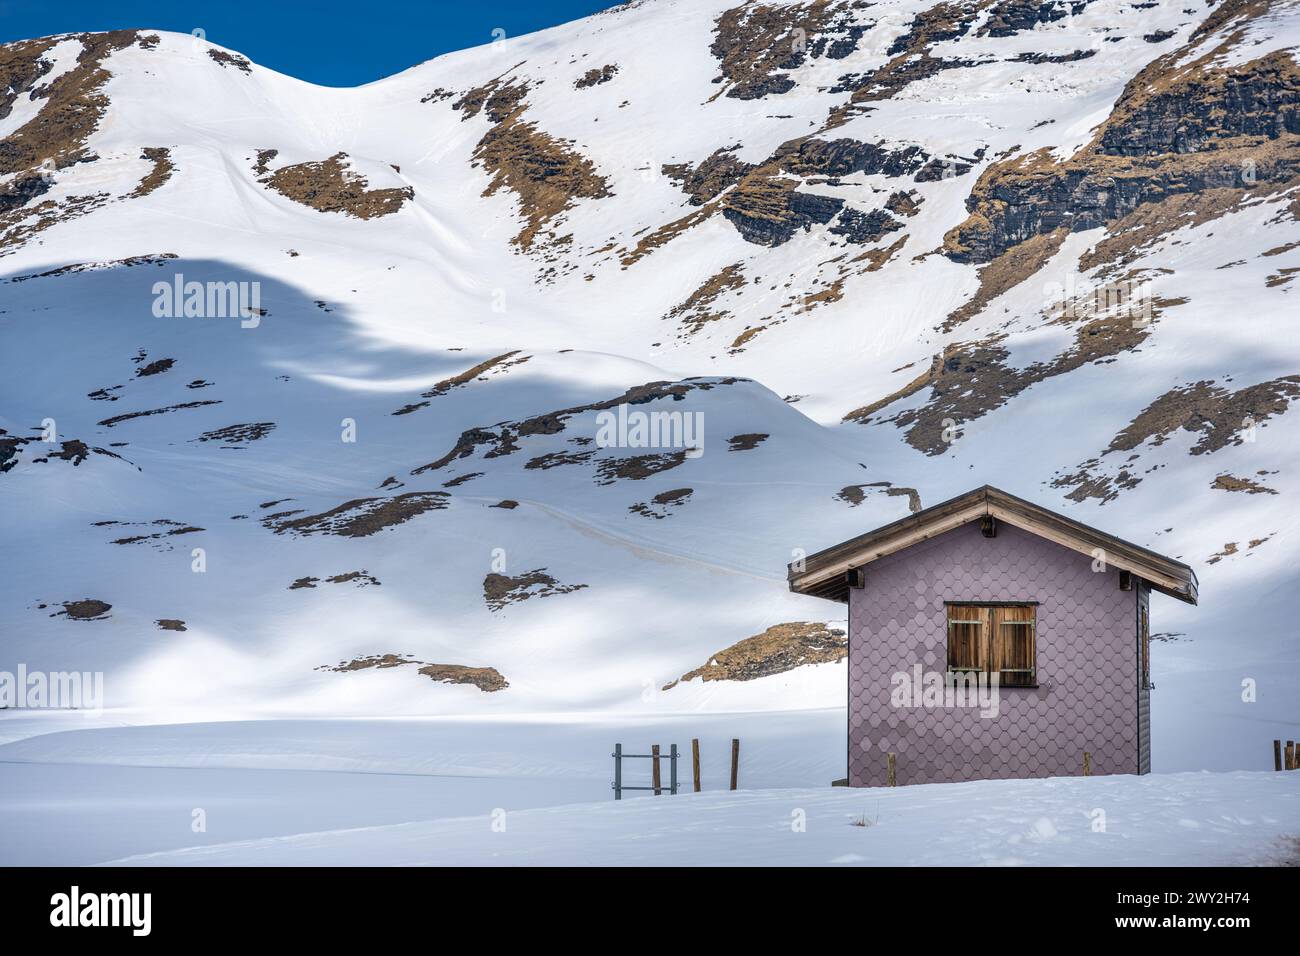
{"points": [[1277, 755], [1087, 764], [893, 776], [672, 769], [695, 761], [735, 761], [1290, 755], [654, 755], [618, 771]]}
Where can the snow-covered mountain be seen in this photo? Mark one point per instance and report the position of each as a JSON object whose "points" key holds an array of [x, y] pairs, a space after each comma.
{"points": [[879, 253]]}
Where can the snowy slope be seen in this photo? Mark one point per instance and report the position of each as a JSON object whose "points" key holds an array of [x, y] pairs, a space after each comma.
{"points": [[447, 791], [1187, 819], [636, 261]]}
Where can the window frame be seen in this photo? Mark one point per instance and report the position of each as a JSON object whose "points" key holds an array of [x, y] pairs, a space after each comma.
{"points": [[991, 618]]}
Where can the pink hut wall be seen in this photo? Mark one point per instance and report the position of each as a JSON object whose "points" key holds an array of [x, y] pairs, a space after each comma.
{"points": [[1087, 660]]}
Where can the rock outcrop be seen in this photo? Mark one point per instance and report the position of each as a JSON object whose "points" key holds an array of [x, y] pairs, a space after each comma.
{"points": [[780, 648], [1183, 125]]}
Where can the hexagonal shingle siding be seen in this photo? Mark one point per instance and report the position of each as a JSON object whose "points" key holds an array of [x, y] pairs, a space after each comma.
{"points": [[1087, 663]]}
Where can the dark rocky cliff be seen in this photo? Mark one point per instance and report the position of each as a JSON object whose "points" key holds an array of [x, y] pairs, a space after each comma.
{"points": [[1178, 128]]}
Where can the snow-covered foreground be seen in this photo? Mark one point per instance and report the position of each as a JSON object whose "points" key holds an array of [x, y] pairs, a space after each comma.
{"points": [[1183, 819], [71, 795], [448, 791]]}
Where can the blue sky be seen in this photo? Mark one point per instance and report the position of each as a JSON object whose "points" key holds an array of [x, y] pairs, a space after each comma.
{"points": [[333, 42]]}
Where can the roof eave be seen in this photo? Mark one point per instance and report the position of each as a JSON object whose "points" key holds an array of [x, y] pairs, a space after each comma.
{"points": [[824, 573]]}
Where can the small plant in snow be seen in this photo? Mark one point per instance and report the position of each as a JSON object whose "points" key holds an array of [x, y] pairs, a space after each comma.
{"points": [[862, 821]]}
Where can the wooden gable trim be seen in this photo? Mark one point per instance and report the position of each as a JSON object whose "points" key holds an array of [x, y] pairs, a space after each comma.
{"points": [[823, 574], [1161, 572], [855, 555]]}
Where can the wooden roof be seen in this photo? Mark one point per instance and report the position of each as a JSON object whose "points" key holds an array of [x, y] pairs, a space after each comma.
{"points": [[824, 574]]}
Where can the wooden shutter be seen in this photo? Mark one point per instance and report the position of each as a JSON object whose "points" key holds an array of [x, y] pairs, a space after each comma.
{"points": [[967, 638], [1014, 645]]}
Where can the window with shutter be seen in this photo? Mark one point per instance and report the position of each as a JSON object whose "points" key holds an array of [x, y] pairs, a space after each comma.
{"points": [[994, 638]]}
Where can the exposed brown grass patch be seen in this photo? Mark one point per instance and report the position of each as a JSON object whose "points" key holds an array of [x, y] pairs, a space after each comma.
{"points": [[864, 414], [163, 167], [238, 434], [666, 234], [264, 159], [87, 609], [746, 442], [877, 259], [502, 439], [1281, 277], [22, 64], [780, 648], [498, 363], [637, 467], [595, 76], [500, 590], [332, 186], [556, 459], [72, 450], [1217, 416], [1226, 482], [1133, 235], [56, 137], [74, 102], [486, 679], [854, 495], [545, 173], [1006, 272], [1228, 551], [130, 416], [661, 505], [757, 44], [361, 517], [744, 338], [170, 529], [910, 57], [970, 379], [361, 578], [697, 309], [231, 60]]}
